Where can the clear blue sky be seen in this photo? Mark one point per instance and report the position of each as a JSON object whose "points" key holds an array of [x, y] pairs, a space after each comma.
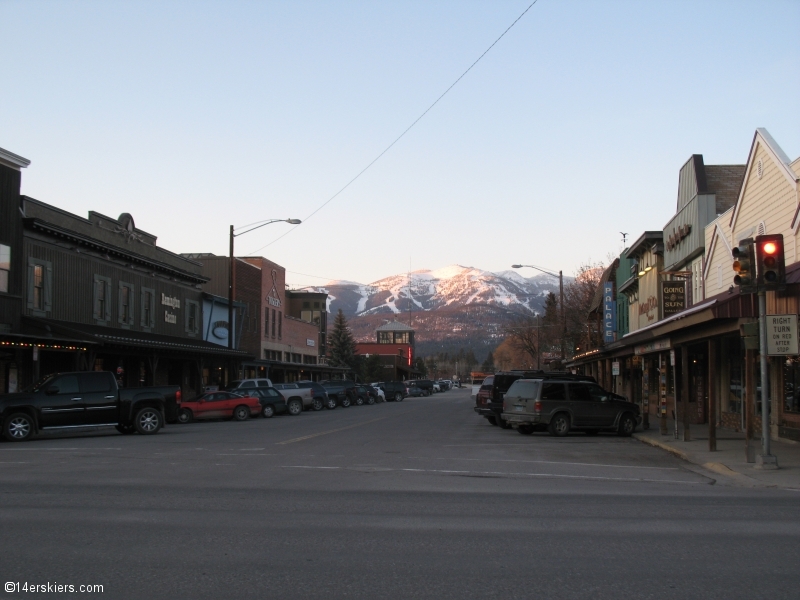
{"points": [[196, 115]]}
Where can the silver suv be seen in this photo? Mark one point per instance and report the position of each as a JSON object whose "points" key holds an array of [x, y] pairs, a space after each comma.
{"points": [[560, 406]]}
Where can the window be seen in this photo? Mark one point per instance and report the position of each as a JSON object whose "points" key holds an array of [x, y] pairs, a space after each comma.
{"points": [[5, 266], [266, 322], [192, 324], [40, 286], [553, 391], [102, 299], [125, 309], [147, 315], [280, 325], [385, 337], [273, 322], [96, 382], [579, 392], [67, 384]]}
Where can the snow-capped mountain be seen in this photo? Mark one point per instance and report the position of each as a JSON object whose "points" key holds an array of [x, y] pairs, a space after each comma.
{"points": [[427, 290]]}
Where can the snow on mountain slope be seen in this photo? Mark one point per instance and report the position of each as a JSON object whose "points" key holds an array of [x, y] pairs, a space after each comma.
{"points": [[429, 290]]}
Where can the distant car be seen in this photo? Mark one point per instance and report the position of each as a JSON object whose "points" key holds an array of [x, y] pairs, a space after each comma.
{"points": [[416, 391], [320, 395], [245, 384], [370, 394], [297, 399], [381, 393], [436, 387], [425, 385], [445, 384], [272, 403], [341, 389], [394, 390], [219, 405]]}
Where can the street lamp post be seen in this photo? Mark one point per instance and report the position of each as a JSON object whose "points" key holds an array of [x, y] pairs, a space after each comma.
{"points": [[561, 302], [231, 267]]}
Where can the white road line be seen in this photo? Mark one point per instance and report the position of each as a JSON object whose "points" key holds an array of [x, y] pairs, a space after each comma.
{"points": [[48, 449], [544, 462], [9, 462], [313, 435], [242, 454], [305, 467]]}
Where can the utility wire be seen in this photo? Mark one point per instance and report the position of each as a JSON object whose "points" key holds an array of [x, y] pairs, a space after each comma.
{"points": [[389, 147]]}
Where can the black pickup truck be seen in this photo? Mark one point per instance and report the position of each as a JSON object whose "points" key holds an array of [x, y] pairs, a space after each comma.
{"points": [[87, 399]]}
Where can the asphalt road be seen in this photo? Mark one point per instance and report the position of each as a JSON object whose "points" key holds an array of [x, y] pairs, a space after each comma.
{"points": [[419, 499]]}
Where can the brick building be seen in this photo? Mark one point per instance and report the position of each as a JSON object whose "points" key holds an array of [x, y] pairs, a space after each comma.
{"points": [[395, 344]]}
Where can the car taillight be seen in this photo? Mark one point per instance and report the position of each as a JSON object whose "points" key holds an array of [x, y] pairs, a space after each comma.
{"points": [[178, 396], [537, 406], [312, 391]]}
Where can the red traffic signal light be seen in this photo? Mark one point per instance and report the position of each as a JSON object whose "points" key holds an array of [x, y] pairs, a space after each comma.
{"points": [[770, 261]]}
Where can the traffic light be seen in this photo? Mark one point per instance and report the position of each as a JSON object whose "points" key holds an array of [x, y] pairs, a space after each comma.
{"points": [[743, 263], [770, 262]]}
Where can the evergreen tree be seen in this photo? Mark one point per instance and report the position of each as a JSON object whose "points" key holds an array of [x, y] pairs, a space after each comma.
{"points": [[341, 345], [488, 364], [419, 365], [373, 368]]}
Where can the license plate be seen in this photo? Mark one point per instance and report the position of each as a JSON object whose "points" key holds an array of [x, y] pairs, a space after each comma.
{"points": [[519, 408]]}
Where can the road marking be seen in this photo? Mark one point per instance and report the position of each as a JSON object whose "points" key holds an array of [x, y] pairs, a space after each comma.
{"points": [[242, 454], [48, 449], [313, 435], [513, 474], [9, 462], [545, 462]]}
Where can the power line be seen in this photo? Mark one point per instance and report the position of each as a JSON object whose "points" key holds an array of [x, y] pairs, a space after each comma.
{"points": [[389, 147]]}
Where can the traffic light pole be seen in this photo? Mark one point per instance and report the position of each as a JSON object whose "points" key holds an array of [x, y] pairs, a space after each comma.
{"points": [[765, 460]]}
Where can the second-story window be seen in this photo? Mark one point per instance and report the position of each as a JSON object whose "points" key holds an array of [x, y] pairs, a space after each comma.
{"points": [[147, 314], [102, 299], [192, 308], [125, 295], [147, 308], [38, 287], [5, 267], [280, 325], [273, 322]]}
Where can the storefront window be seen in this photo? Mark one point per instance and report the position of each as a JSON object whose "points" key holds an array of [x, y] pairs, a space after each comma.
{"points": [[791, 385], [5, 266], [733, 361]]}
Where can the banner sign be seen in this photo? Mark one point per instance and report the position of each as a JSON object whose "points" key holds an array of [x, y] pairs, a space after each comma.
{"points": [[781, 335], [609, 313], [673, 297]]}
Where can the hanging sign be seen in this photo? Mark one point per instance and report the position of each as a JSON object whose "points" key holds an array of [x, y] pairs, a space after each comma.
{"points": [[609, 313], [781, 335], [673, 297]]}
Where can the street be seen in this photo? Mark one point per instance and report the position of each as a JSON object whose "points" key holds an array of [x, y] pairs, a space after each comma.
{"points": [[419, 499]]}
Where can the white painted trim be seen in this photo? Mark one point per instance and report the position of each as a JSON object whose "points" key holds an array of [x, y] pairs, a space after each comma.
{"points": [[13, 160], [779, 157], [724, 239]]}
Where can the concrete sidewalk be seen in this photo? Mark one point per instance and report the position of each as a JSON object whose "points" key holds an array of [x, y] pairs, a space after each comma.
{"points": [[729, 460]]}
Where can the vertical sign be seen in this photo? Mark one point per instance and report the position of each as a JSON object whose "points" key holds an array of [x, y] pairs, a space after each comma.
{"points": [[781, 335], [609, 312], [673, 297]]}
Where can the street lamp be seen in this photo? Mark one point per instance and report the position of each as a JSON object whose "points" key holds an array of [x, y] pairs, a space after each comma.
{"points": [[252, 227], [561, 301]]}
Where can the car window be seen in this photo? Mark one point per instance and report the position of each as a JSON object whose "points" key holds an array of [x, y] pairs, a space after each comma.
{"points": [[68, 384], [523, 389], [248, 384], [579, 392], [263, 382], [554, 391], [487, 384], [598, 393], [95, 382]]}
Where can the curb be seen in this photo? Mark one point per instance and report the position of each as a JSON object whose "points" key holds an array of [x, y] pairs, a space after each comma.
{"points": [[657, 444]]}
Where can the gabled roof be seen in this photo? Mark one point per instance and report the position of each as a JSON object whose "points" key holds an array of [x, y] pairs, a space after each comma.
{"points": [[394, 326], [14, 161], [762, 137]]}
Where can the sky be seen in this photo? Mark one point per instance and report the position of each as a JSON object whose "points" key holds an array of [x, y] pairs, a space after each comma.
{"points": [[194, 116]]}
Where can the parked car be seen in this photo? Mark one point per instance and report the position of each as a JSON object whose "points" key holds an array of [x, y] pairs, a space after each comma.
{"points": [[272, 402], [379, 391], [445, 384], [341, 389], [416, 392], [320, 395], [489, 399], [394, 390], [426, 385], [220, 405], [367, 394], [561, 405], [436, 387], [87, 399], [297, 399], [244, 384]]}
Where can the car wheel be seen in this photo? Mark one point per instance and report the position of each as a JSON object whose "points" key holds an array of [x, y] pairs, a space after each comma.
{"points": [[525, 429], [185, 416], [295, 407], [559, 425], [148, 421], [591, 432], [331, 403], [127, 429], [359, 401], [502, 423], [370, 400], [491, 420], [241, 413], [19, 427], [268, 411], [318, 405], [627, 425], [346, 402], [398, 397]]}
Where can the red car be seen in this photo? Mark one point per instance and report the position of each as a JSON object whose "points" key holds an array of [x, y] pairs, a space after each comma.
{"points": [[219, 405]]}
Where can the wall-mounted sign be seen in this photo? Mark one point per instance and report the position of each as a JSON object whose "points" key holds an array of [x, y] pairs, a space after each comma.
{"points": [[170, 301], [170, 317], [274, 297], [310, 342], [615, 368], [781, 335], [609, 312], [656, 346], [678, 235], [219, 329], [673, 296], [648, 310]]}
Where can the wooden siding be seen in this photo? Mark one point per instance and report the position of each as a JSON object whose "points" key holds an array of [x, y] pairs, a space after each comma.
{"points": [[73, 285], [697, 213], [11, 235]]}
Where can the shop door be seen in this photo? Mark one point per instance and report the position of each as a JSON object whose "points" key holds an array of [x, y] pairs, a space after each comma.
{"points": [[698, 394]]}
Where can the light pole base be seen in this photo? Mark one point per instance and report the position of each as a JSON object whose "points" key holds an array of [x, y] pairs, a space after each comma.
{"points": [[767, 462]]}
